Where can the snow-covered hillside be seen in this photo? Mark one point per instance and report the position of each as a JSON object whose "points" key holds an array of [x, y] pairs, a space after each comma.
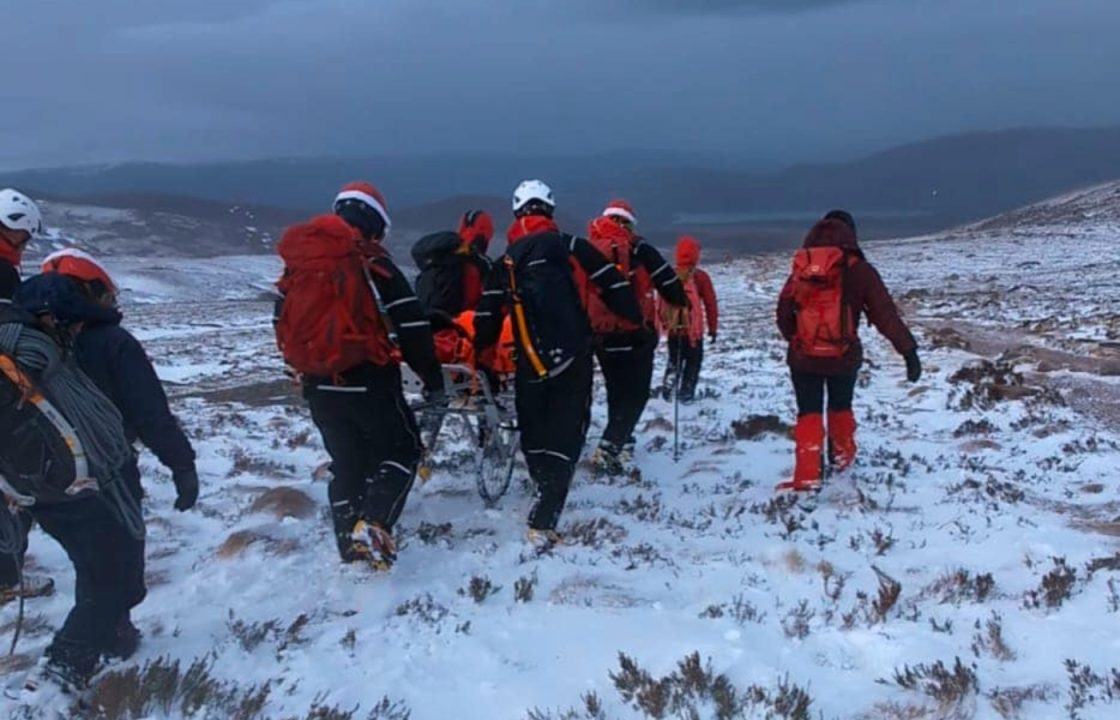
{"points": [[1093, 210], [160, 227], [967, 567]]}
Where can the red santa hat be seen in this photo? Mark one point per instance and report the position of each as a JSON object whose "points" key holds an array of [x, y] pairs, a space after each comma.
{"points": [[366, 193], [621, 209]]}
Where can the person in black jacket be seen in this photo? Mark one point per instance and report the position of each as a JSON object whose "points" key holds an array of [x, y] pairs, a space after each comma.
{"points": [[454, 266], [535, 282], [117, 363], [102, 532], [367, 426], [80, 295]]}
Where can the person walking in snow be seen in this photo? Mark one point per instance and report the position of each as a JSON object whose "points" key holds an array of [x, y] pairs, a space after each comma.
{"points": [[832, 286], [626, 350], [20, 220], [346, 318], [684, 327], [454, 265], [64, 455], [78, 293], [453, 270], [541, 281]]}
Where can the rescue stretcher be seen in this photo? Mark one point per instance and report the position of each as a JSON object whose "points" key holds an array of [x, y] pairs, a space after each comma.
{"points": [[489, 419]]}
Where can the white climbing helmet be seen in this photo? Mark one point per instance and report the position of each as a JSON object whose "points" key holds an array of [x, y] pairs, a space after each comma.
{"points": [[19, 212], [530, 190]]}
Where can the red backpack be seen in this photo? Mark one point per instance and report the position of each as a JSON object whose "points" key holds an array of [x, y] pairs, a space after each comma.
{"points": [[330, 321], [825, 326], [617, 246]]}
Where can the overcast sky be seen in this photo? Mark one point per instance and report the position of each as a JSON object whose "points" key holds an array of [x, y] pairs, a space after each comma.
{"points": [[748, 80]]}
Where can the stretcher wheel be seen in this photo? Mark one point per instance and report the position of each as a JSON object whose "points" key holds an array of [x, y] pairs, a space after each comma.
{"points": [[496, 461]]}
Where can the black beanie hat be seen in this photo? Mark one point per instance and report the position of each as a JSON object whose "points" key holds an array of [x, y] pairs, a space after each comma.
{"points": [[843, 216]]}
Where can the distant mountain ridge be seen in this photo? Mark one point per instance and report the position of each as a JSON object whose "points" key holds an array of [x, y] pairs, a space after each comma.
{"points": [[916, 188]]}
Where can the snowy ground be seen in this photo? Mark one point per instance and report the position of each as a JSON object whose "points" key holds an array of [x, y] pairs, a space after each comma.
{"points": [[981, 523]]}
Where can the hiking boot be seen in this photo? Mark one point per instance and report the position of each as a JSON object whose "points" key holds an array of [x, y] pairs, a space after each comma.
{"points": [[543, 540], [607, 460], [841, 439], [33, 586], [125, 642], [343, 518], [374, 545], [809, 438], [51, 684]]}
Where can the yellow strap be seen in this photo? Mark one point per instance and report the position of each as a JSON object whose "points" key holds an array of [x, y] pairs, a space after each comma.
{"points": [[522, 324]]}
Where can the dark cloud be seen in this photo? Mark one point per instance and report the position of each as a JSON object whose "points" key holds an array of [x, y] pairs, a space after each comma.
{"points": [[737, 81]]}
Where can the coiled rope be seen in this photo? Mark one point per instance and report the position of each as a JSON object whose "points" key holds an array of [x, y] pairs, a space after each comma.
{"points": [[95, 419]]}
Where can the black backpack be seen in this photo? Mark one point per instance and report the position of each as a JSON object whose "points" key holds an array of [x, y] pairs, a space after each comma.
{"points": [[440, 283], [41, 457], [543, 289]]}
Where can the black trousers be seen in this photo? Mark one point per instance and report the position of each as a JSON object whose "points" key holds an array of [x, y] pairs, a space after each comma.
{"points": [[627, 365], [810, 392], [685, 358], [9, 565], [109, 578], [553, 415], [372, 438], [18, 526]]}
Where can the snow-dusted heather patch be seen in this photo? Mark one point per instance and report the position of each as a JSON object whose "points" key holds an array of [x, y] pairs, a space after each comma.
{"points": [[966, 567]]}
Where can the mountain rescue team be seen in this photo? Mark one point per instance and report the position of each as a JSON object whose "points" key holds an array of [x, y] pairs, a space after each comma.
{"points": [[543, 282], [347, 318]]}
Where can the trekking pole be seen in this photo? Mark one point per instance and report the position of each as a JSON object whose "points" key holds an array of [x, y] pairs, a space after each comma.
{"points": [[677, 410]]}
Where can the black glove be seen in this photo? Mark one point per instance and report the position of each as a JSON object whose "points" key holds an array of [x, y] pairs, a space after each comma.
{"points": [[186, 487], [913, 366]]}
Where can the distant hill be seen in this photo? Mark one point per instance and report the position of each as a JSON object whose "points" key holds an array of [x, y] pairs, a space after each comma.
{"points": [[916, 188], [160, 226]]}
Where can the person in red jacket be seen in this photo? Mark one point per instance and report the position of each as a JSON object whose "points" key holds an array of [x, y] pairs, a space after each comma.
{"points": [[685, 327], [625, 350], [820, 360], [476, 228]]}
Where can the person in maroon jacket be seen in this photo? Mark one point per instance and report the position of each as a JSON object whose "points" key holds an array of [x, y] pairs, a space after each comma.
{"points": [[861, 292]]}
